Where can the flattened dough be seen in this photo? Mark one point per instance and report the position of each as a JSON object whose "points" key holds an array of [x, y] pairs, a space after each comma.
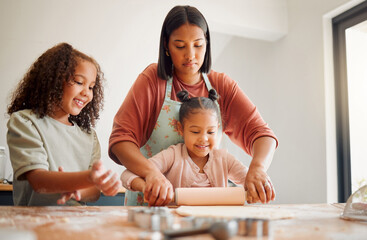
{"points": [[235, 212]]}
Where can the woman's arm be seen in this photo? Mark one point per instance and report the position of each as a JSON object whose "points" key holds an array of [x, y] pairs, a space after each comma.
{"points": [[258, 182], [249, 131], [138, 184], [158, 190]]}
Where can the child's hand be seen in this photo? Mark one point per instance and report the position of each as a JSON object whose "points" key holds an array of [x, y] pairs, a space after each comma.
{"points": [[106, 181], [68, 195]]}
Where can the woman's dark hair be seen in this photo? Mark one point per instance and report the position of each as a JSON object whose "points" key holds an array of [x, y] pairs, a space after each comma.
{"points": [[178, 16], [189, 105], [41, 88]]}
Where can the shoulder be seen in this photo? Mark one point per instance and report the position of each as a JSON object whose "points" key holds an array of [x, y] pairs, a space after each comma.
{"points": [[148, 79], [92, 133], [215, 76], [221, 82], [176, 148], [171, 151], [150, 72], [220, 152], [223, 154], [151, 69], [25, 113], [23, 116]]}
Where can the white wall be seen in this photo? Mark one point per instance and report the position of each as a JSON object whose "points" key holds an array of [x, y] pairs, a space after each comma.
{"points": [[284, 78], [122, 35]]}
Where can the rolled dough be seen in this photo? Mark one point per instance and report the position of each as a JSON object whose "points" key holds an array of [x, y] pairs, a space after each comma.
{"points": [[235, 212]]}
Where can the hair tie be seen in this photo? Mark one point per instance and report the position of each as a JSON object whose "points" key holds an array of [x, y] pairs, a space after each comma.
{"points": [[183, 96], [213, 95]]}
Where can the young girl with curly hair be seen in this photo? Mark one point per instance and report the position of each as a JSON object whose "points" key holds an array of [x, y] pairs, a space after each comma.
{"points": [[196, 162], [53, 148]]}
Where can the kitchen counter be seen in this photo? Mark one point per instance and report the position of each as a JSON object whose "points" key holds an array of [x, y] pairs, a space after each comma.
{"points": [[311, 221], [6, 187], [6, 197]]}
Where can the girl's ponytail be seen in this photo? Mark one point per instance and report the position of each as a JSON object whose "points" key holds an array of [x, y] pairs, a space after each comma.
{"points": [[213, 95], [183, 96]]}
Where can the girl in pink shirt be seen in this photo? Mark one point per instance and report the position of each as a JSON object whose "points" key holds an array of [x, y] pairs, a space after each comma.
{"points": [[197, 162]]}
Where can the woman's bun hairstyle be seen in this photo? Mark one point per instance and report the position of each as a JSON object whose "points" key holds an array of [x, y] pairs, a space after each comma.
{"points": [[183, 96]]}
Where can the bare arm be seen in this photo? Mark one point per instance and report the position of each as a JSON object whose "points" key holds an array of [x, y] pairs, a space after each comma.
{"points": [[43, 181], [258, 182], [130, 156], [90, 194], [83, 185], [138, 184], [158, 190]]}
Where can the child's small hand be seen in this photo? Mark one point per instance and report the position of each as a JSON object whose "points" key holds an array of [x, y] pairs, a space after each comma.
{"points": [[68, 195], [106, 181]]}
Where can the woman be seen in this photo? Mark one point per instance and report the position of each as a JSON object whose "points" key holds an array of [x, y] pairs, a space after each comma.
{"points": [[146, 121]]}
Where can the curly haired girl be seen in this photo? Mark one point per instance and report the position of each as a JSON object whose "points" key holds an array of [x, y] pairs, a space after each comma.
{"points": [[53, 148]]}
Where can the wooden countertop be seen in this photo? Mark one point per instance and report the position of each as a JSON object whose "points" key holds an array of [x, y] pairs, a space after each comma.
{"points": [[6, 187], [9, 187], [311, 221]]}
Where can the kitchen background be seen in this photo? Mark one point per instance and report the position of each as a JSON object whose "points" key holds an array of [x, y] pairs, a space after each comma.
{"points": [[279, 52]]}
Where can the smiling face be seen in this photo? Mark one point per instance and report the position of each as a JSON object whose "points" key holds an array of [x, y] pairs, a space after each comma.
{"points": [[199, 130], [187, 46], [77, 93]]}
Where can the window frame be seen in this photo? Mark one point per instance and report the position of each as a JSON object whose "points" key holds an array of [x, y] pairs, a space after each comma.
{"points": [[340, 23]]}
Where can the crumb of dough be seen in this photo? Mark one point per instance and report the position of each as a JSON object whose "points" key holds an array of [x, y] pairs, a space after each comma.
{"points": [[65, 220]]}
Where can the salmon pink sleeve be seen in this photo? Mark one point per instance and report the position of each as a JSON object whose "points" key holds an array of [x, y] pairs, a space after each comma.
{"points": [[242, 121], [138, 113]]}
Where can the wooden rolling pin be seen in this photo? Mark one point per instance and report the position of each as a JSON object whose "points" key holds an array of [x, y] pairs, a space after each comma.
{"points": [[210, 196]]}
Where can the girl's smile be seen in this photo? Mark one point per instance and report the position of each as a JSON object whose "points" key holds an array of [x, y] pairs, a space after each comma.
{"points": [[199, 130]]}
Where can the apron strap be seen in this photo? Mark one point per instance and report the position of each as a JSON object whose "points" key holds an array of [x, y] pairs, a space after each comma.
{"points": [[168, 88], [209, 87]]}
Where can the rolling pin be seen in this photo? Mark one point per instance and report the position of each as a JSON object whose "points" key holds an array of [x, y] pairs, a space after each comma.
{"points": [[210, 196]]}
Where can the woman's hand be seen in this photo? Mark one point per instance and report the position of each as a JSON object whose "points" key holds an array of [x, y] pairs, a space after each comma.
{"points": [[68, 195], [259, 185], [106, 181], [158, 190]]}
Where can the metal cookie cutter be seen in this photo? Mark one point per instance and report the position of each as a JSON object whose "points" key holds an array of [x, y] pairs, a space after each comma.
{"points": [[254, 227], [151, 218], [219, 229]]}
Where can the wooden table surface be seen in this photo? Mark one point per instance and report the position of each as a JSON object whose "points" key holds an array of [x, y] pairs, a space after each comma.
{"points": [[6, 187], [9, 187], [311, 221]]}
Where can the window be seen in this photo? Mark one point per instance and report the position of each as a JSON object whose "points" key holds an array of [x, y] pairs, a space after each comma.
{"points": [[348, 29]]}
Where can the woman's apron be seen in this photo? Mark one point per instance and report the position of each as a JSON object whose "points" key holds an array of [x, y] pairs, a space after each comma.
{"points": [[165, 134]]}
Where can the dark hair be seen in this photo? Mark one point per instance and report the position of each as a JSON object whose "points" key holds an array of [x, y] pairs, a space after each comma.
{"points": [[41, 88], [178, 16], [189, 105]]}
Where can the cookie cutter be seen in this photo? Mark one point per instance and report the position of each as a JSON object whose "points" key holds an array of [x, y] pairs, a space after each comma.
{"points": [[254, 227], [151, 218]]}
